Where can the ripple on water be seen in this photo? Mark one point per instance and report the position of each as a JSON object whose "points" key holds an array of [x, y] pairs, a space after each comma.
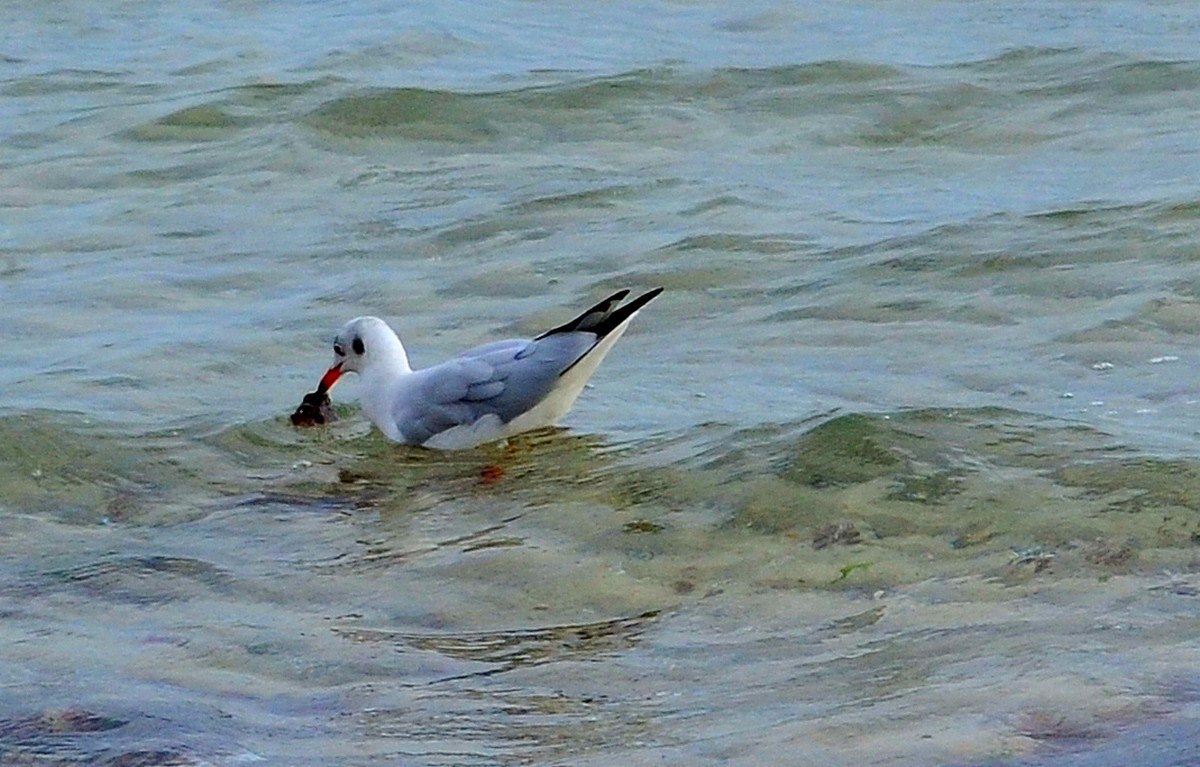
{"points": [[67, 737], [611, 103], [71, 469], [504, 651], [540, 725], [945, 220], [136, 580], [804, 579]]}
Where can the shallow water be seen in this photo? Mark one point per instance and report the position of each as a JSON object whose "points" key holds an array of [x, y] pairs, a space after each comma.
{"points": [[900, 470]]}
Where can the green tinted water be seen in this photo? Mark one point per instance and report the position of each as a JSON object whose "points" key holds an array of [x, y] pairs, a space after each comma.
{"points": [[900, 470]]}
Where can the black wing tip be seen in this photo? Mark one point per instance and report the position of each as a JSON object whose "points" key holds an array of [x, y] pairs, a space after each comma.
{"points": [[613, 318], [637, 303], [627, 310], [605, 316], [645, 298]]}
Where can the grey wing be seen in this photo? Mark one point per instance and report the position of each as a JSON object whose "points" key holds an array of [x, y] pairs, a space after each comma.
{"points": [[502, 379]]}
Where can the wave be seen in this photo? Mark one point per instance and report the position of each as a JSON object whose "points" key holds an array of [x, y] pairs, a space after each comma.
{"points": [[1021, 98]]}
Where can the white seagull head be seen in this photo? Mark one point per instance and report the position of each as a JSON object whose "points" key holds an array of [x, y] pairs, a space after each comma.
{"points": [[364, 345]]}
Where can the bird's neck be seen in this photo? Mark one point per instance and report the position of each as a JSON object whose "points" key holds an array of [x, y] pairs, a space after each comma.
{"points": [[390, 365], [380, 382]]}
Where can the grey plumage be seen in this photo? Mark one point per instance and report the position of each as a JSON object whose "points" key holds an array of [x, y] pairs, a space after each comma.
{"points": [[504, 379]]}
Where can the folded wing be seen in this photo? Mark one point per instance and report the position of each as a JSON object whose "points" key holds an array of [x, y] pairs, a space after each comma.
{"points": [[490, 385], [497, 382]]}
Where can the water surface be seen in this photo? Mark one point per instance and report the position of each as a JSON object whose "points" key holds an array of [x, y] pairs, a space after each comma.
{"points": [[899, 470]]}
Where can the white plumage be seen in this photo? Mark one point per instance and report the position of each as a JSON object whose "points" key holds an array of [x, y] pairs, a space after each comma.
{"points": [[487, 393]]}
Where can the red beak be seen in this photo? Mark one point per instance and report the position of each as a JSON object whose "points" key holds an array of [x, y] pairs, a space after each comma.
{"points": [[330, 378]]}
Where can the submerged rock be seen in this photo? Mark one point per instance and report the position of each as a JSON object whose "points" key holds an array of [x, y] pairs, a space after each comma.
{"points": [[843, 533]]}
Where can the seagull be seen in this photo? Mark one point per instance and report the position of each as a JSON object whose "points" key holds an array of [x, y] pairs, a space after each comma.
{"points": [[485, 394]]}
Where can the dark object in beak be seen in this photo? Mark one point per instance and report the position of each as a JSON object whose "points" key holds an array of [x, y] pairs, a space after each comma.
{"points": [[315, 410]]}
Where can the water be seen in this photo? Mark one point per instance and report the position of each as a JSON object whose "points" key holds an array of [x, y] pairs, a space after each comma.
{"points": [[900, 470]]}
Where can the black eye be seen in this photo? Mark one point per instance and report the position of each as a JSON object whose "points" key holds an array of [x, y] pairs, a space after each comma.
{"points": [[337, 349], [357, 344]]}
